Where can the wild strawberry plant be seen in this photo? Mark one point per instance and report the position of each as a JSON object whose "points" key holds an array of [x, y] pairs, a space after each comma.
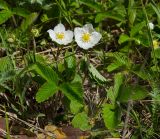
{"points": [[93, 65]]}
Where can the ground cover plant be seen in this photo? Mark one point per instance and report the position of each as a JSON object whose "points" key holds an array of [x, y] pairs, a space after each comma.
{"points": [[80, 69]]}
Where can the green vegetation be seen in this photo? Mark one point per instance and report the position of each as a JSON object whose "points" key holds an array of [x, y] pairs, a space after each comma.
{"points": [[103, 80]]}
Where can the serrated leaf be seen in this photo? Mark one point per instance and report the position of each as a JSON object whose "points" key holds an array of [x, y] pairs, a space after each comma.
{"points": [[77, 78], [123, 38], [7, 75], [120, 57], [113, 92], [70, 60], [5, 15], [75, 107], [81, 121], [110, 116], [45, 72], [5, 64], [114, 66], [118, 81], [30, 19], [135, 29], [95, 73], [131, 12], [45, 91], [132, 93], [144, 74], [73, 91], [132, 16]]}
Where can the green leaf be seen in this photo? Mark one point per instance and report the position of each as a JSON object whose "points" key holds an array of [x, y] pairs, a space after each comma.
{"points": [[21, 12], [45, 72], [92, 4], [110, 116], [5, 64], [5, 15], [121, 58], [138, 27], [81, 121], [3, 5], [70, 60], [40, 58], [45, 91], [75, 107], [123, 38], [30, 19], [7, 75], [156, 9], [114, 66], [113, 92], [102, 16], [120, 9], [73, 91], [131, 12], [156, 53], [77, 78], [76, 22], [95, 73], [118, 81], [132, 93], [145, 74]]}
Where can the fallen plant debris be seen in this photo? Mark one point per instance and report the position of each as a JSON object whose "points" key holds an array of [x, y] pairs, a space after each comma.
{"points": [[86, 69]]}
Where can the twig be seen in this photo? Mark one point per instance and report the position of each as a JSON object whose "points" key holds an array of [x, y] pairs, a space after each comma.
{"points": [[126, 120], [13, 116], [3, 133]]}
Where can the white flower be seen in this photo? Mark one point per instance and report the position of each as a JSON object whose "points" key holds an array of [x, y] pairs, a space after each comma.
{"points": [[151, 25], [60, 35], [86, 37]]}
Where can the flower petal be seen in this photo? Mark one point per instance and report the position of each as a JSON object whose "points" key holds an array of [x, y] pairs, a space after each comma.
{"points": [[96, 36], [88, 28], [68, 37], [84, 45], [59, 28], [61, 42], [52, 34], [78, 31]]}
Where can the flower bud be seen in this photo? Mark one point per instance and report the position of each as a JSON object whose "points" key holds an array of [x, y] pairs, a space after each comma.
{"points": [[35, 32], [151, 26], [11, 38]]}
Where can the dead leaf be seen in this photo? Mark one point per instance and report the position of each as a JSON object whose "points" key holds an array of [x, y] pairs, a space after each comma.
{"points": [[41, 136], [50, 128], [56, 131]]}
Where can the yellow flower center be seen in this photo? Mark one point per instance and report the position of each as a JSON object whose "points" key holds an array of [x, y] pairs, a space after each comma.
{"points": [[86, 37], [155, 44], [60, 36]]}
